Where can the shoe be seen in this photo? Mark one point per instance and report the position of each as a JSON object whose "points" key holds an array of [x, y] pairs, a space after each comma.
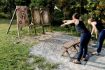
{"points": [[96, 53], [76, 62], [85, 59]]}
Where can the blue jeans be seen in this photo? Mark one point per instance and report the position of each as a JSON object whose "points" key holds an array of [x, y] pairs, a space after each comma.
{"points": [[83, 49], [100, 40]]}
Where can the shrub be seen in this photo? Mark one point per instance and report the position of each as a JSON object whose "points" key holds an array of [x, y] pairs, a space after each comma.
{"points": [[22, 2], [3, 15], [39, 3]]}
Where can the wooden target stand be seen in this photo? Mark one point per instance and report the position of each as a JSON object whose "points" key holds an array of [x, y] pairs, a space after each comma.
{"points": [[40, 17], [22, 18], [11, 21]]}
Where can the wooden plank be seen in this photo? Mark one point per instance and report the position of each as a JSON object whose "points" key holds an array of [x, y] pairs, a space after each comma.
{"points": [[11, 21], [71, 43]]}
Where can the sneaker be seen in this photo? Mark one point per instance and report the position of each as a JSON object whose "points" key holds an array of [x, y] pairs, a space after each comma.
{"points": [[76, 62], [96, 53], [85, 59]]}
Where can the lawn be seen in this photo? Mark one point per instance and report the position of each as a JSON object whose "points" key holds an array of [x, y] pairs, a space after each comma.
{"points": [[14, 55]]}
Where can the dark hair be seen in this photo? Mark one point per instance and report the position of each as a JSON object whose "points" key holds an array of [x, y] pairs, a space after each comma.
{"points": [[76, 15]]}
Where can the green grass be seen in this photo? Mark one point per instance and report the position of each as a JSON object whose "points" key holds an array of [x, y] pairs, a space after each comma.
{"points": [[42, 64], [14, 54]]}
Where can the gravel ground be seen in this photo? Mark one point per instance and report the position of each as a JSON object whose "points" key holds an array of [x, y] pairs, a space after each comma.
{"points": [[51, 47]]}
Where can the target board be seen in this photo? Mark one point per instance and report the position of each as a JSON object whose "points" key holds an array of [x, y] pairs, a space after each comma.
{"points": [[41, 17], [36, 17], [46, 17], [22, 16]]}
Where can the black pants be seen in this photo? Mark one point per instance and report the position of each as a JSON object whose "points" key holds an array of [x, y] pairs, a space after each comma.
{"points": [[84, 40]]}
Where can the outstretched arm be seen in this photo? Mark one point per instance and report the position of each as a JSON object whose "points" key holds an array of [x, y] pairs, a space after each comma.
{"points": [[67, 22]]}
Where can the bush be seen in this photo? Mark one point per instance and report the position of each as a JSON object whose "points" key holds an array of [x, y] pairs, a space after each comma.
{"points": [[22, 2], [58, 17], [38, 3], [3, 15]]}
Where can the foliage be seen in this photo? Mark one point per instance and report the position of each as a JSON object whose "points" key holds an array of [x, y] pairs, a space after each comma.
{"points": [[96, 8], [68, 7], [3, 15], [22, 2], [58, 17], [38, 3]]}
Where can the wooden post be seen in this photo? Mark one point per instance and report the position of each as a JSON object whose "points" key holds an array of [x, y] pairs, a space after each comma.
{"points": [[42, 20], [18, 30], [11, 21], [35, 30]]}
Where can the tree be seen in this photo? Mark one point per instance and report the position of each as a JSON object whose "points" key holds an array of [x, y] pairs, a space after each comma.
{"points": [[96, 8], [7, 6]]}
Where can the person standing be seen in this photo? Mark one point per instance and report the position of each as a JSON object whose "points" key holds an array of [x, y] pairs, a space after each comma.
{"points": [[94, 30], [97, 25], [84, 38]]}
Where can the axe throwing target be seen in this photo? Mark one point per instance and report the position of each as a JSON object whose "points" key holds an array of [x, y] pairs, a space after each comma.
{"points": [[36, 17], [46, 17], [22, 16]]}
